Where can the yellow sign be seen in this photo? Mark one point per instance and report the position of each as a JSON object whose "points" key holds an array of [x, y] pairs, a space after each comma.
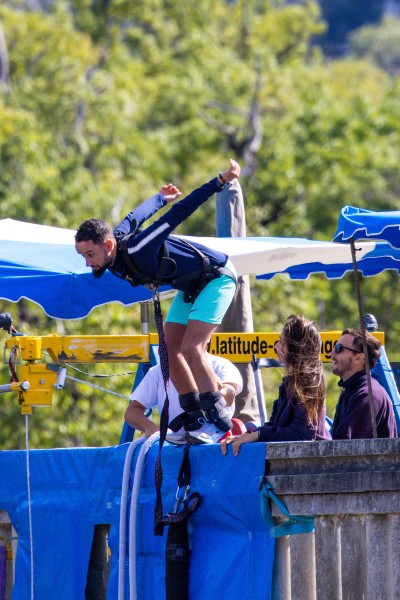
{"points": [[240, 347]]}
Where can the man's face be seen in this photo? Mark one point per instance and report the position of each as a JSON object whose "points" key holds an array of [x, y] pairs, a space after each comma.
{"points": [[346, 362], [97, 256]]}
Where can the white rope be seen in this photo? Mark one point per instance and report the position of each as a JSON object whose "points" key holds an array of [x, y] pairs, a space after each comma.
{"points": [[97, 387], [133, 513], [123, 516], [28, 479]]}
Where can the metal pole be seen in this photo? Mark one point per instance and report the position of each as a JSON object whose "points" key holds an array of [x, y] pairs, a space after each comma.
{"points": [[15, 386], [144, 317], [259, 389], [365, 347]]}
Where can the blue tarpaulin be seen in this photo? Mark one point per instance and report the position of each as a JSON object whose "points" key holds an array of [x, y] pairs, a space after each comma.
{"points": [[74, 489]]}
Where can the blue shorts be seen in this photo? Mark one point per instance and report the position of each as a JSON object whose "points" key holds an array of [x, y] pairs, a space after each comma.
{"points": [[210, 305]]}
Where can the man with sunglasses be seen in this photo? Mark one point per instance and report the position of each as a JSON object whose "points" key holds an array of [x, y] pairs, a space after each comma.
{"points": [[353, 416]]}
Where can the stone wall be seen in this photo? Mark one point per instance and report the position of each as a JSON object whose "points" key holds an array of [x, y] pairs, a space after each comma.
{"points": [[352, 487]]}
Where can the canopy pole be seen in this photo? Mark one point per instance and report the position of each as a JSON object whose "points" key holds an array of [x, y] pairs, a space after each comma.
{"points": [[365, 347], [144, 317]]}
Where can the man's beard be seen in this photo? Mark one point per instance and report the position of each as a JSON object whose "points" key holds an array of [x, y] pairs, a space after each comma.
{"points": [[97, 273]]}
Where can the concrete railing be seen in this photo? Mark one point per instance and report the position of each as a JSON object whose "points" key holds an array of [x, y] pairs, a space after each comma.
{"points": [[352, 487]]}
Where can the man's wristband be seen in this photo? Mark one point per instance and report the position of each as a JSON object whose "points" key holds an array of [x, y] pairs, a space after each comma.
{"points": [[222, 178]]}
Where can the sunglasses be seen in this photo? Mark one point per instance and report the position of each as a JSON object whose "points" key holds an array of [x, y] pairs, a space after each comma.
{"points": [[338, 348]]}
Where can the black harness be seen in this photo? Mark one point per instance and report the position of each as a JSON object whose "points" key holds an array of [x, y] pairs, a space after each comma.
{"points": [[167, 269]]}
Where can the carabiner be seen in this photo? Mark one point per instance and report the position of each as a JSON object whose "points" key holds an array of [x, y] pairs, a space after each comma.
{"points": [[180, 500]]}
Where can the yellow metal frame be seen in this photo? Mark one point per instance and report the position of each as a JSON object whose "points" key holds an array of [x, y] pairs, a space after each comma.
{"points": [[237, 347], [85, 348]]}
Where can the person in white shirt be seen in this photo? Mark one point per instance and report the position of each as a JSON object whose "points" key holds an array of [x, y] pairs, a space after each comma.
{"points": [[151, 393]]}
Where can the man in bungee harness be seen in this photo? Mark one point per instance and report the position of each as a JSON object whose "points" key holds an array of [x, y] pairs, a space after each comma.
{"points": [[205, 280]]}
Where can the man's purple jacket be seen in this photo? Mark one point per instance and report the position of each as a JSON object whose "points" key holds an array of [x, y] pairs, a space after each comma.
{"points": [[353, 414]]}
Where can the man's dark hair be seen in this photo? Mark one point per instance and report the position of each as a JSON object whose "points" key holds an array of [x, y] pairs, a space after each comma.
{"points": [[373, 344], [95, 230]]}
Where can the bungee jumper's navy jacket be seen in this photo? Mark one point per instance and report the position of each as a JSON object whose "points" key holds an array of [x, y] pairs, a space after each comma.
{"points": [[146, 247]]}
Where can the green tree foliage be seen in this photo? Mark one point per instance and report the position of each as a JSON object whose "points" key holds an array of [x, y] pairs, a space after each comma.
{"points": [[107, 100]]}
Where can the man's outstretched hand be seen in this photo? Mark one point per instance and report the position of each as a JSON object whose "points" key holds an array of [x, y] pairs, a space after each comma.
{"points": [[170, 192], [233, 172]]}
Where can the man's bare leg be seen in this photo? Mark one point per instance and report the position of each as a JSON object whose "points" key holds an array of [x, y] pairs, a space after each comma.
{"points": [[189, 399], [179, 370], [189, 366], [193, 347]]}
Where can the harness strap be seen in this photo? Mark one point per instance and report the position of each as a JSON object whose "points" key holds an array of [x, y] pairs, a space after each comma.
{"points": [[184, 472], [163, 353], [177, 550], [207, 274], [177, 422], [294, 524], [225, 271], [165, 275], [189, 502], [208, 267]]}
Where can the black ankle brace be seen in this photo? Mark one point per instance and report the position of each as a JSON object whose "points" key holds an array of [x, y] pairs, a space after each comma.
{"points": [[208, 401], [193, 417]]}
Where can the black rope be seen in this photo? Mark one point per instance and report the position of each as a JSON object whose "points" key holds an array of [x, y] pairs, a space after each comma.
{"points": [[164, 418]]}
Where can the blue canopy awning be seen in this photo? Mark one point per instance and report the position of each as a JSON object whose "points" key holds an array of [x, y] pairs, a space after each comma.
{"points": [[359, 223], [39, 263], [380, 257]]}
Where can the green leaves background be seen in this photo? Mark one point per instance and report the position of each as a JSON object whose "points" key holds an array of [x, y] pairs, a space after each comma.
{"points": [[101, 102]]}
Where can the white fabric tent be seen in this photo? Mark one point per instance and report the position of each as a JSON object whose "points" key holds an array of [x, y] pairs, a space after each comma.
{"points": [[40, 263]]}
